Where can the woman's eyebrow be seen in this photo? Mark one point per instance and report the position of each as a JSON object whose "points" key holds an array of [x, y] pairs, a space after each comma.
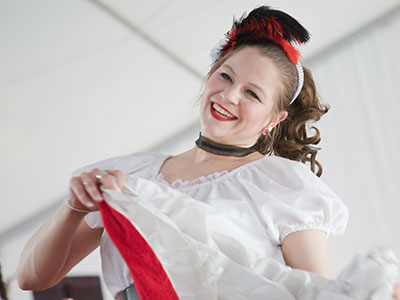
{"points": [[252, 84], [230, 68]]}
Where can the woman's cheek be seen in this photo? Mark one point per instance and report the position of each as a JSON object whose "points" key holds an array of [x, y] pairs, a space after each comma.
{"points": [[259, 116]]}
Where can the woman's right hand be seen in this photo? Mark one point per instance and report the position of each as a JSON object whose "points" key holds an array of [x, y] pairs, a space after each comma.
{"points": [[84, 190]]}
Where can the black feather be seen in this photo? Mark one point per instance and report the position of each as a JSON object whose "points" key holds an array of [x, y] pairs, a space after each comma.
{"points": [[293, 31]]}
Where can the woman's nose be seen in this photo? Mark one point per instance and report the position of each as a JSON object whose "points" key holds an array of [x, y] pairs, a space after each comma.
{"points": [[231, 94]]}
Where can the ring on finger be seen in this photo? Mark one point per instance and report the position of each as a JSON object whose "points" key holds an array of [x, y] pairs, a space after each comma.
{"points": [[100, 174]]}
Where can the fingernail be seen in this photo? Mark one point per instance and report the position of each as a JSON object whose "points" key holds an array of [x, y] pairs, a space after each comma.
{"points": [[99, 198], [90, 204]]}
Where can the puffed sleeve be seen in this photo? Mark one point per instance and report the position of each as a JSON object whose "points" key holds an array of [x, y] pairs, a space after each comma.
{"points": [[138, 162], [296, 199]]}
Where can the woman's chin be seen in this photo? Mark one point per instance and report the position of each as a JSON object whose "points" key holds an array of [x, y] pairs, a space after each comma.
{"points": [[216, 134]]}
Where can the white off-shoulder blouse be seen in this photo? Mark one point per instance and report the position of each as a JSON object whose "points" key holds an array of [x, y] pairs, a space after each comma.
{"points": [[267, 199]]}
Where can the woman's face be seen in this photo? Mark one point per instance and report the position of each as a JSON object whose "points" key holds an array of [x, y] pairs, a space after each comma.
{"points": [[238, 99]]}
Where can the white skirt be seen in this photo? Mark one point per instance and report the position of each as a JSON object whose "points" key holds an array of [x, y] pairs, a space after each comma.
{"points": [[179, 248]]}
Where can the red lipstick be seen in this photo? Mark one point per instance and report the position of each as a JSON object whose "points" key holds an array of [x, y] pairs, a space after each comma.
{"points": [[216, 116]]}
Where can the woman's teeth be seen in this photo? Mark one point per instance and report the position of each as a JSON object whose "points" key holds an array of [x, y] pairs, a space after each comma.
{"points": [[222, 112]]}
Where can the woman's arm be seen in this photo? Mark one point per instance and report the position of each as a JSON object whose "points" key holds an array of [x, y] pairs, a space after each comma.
{"points": [[65, 239], [307, 250], [62, 242]]}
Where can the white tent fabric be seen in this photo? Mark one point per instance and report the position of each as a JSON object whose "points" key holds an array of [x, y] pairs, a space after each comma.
{"points": [[359, 79]]}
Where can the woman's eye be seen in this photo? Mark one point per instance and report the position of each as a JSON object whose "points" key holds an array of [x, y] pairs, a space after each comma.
{"points": [[253, 94], [226, 76]]}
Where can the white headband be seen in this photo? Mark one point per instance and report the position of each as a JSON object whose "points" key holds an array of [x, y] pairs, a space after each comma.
{"points": [[300, 80]]}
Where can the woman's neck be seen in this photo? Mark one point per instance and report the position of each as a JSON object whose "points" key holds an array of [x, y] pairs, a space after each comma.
{"points": [[199, 156]]}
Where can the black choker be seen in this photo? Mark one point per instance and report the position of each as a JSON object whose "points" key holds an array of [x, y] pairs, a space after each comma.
{"points": [[221, 149]]}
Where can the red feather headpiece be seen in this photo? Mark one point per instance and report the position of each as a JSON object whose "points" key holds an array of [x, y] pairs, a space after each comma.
{"points": [[266, 25]]}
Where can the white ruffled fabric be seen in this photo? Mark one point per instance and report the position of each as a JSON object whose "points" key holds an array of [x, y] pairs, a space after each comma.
{"points": [[206, 260]]}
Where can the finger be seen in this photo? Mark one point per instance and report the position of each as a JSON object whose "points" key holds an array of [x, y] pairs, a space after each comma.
{"points": [[77, 204], [80, 192], [90, 184], [109, 182], [119, 176], [94, 171]]}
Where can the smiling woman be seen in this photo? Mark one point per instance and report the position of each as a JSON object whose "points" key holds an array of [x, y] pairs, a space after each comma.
{"points": [[248, 167]]}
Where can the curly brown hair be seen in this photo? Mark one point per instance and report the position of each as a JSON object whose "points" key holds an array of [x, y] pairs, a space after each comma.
{"points": [[292, 138]]}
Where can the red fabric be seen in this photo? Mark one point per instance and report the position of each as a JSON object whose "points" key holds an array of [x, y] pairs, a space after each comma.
{"points": [[151, 281]]}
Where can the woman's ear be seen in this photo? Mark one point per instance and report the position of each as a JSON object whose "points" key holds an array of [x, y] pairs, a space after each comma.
{"points": [[282, 116], [278, 118]]}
